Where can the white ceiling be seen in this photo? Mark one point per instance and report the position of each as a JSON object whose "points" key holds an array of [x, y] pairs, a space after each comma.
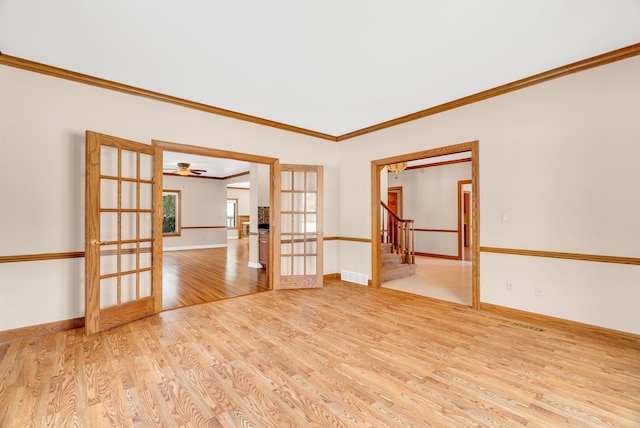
{"points": [[332, 66]]}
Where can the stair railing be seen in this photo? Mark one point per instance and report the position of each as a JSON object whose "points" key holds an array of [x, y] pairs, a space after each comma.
{"points": [[398, 232]]}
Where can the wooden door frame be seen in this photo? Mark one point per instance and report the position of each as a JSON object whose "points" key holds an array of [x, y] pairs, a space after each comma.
{"points": [[461, 183], [376, 168], [274, 226], [398, 190]]}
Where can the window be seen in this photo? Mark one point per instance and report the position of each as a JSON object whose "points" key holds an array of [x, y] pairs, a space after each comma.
{"points": [[171, 212], [232, 213]]}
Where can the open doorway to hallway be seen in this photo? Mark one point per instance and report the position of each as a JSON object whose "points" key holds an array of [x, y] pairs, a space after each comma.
{"points": [[438, 188], [215, 255], [437, 200]]}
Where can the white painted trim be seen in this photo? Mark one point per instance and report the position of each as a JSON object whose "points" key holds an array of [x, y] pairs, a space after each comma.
{"points": [[194, 247], [255, 265]]}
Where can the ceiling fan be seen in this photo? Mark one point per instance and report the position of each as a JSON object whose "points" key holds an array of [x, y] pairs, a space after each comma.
{"points": [[183, 169]]}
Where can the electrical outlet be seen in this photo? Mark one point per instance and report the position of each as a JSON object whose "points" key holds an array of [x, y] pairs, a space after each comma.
{"points": [[539, 290], [510, 287]]}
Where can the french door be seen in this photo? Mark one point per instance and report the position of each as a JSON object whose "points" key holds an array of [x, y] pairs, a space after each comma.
{"points": [[299, 235], [123, 231]]}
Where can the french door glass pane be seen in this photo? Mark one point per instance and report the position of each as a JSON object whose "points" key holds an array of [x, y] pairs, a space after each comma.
{"points": [[285, 202], [145, 255], [146, 225], [128, 288], [311, 202], [108, 259], [108, 292], [109, 161], [311, 247], [311, 265], [128, 226], [298, 223], [299, 180], [286, 182], [129, 195], [128, 258], [108, 194], [108, 226], [285, 248], [285, 226], [310, 225], [298, 202], [146, 196], [146, 167], [129, 164], [298, 265], [285, 266], [145, 284], [312, 178]]}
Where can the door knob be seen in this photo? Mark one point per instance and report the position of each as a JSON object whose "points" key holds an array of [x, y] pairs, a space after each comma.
{"points": [[96, 242]]}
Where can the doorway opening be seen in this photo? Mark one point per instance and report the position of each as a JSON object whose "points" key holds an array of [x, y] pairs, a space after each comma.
{"points": [[213, 259], [379, 187], [394, 199], [465, 213]]}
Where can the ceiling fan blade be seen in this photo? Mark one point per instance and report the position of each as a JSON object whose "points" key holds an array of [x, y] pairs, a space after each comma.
{"points": [[198, 170], [194, 172]]}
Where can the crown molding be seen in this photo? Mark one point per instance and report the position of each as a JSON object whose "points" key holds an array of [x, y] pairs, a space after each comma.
{"points": [[596, 61], [36, 67]]}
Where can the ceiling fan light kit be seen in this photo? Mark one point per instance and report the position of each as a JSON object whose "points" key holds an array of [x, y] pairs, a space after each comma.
{"points": [[183, 170]]}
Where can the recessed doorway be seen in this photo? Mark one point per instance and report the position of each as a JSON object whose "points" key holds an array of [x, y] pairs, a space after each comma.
{"points": [[436, 233], [213, 259]]}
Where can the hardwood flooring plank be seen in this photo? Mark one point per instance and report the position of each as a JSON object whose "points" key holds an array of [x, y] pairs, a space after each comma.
{"points": [[342, 355], [192, 277]]}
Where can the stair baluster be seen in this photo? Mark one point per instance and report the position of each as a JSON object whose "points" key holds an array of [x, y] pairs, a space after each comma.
{"points": [[399, 233]]}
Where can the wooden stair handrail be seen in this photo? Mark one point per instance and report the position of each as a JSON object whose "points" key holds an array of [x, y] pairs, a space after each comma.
{"points": [[393, 214], [399, 233]]}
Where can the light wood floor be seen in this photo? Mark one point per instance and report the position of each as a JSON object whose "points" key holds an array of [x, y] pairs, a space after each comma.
{"points": [[191, 277], [343, 355]]}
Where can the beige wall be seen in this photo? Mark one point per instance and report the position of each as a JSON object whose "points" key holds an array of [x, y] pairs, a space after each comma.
{"points": [[561, 158], [203, 203], [242, 195], [42, 136]]}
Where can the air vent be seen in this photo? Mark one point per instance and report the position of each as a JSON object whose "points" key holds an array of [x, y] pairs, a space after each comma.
{"points": [[526, 327], [358, 278]]}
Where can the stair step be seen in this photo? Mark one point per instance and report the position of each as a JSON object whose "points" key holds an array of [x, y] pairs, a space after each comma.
{"points": [[385, 248], [391, 272], [388, 259]]}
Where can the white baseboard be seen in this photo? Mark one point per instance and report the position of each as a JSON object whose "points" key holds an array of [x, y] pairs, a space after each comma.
{"points": [[194, 247], [255, 265]]}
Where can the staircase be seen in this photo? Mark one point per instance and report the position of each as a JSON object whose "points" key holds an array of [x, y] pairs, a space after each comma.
{"points": [[392, 266], [397, 252]]}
